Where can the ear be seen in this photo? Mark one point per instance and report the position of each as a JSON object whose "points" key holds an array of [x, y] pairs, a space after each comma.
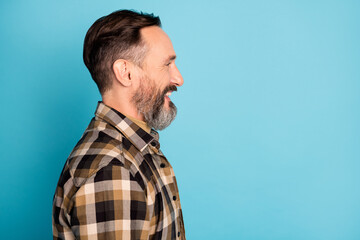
{"points": [[122, 72]]}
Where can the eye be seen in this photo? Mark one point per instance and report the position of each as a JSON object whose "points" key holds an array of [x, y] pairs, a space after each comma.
{"points": [[168, 64]]}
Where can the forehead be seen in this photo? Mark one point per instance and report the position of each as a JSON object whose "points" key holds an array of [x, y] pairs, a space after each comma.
{"points": [[158, 43]]}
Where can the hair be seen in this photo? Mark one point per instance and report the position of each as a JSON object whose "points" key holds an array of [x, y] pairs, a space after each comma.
{"points": [[112, 37]]}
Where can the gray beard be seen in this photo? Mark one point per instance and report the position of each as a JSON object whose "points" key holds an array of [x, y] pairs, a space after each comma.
{"points": [[161, 118], [152, 107]]}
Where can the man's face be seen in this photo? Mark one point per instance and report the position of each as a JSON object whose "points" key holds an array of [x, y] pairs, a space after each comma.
{"points": [[159, 78]]}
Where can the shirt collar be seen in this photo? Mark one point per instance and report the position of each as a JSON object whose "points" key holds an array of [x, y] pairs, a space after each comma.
{"points": [[140, 123], [136, 135]]}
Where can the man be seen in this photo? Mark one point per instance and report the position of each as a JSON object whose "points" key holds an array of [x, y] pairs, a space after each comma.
{"points": [[116, 183]]}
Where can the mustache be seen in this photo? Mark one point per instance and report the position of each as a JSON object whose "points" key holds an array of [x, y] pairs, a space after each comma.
{"points": [[169, 88]]}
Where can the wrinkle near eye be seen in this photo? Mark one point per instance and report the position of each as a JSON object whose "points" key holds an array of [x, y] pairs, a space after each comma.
{"points": [[164, 73], [165, 68]]}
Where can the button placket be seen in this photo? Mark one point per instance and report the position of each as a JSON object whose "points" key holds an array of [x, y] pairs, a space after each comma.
{"points": [[163, 172]]}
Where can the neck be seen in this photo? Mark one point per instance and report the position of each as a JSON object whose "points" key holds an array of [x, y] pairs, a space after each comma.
{"points": [[122, 103]]}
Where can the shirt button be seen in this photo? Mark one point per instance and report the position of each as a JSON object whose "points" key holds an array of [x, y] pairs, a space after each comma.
{"points": [[153, 144], [162, 165], [178, 234], [174, 198]]}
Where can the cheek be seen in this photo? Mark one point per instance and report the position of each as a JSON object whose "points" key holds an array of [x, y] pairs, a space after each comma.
{"points": [[159, 80], [164, 77]]}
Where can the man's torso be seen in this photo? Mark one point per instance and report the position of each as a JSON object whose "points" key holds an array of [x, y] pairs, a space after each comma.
{"points": [[117, 184]]}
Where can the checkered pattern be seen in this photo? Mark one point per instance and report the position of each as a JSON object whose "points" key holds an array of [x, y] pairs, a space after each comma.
{"points": [[117, 184]]}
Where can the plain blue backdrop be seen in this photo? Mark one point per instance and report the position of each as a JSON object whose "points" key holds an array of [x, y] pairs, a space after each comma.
{"points": [[266, 144]]}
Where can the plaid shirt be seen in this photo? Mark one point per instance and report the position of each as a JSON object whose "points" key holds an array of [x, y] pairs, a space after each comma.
{"points": [[117, 184]]}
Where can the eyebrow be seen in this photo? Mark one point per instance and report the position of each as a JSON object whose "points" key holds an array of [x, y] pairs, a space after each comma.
{"points": [[171, 58]]}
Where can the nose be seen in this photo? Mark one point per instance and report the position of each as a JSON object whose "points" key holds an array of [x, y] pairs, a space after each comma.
{"points": [[176, 77]]}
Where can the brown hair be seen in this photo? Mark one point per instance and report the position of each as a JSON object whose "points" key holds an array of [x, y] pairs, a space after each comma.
{"points": [[112, 37]]}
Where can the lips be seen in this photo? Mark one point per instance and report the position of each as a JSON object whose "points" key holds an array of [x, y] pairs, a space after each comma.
{"points": [[168, 91], [167, 96]]}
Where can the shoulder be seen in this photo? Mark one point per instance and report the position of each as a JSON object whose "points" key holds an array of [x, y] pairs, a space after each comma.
{"points": [[100, 145]]}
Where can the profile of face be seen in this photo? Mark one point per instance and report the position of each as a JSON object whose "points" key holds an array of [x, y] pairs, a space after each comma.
{"points": [[159, 77]]}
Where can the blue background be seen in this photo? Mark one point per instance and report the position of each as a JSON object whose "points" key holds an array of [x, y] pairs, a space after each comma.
{"points": [[266, 144]]}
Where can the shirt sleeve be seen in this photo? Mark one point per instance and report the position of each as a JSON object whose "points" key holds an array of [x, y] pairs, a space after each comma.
{"points": [[110, 205]]}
